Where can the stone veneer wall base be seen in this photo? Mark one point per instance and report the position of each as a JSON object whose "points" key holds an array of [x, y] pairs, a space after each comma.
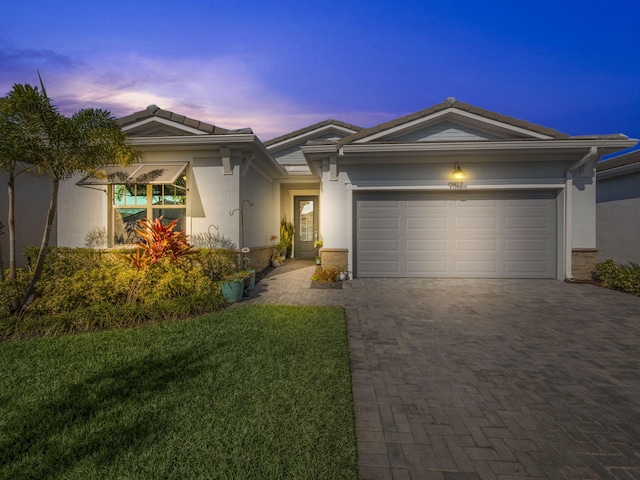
{"points": [[583, 261], [334, 257]]}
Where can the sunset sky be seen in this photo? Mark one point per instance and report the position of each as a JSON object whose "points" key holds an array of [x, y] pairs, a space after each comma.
{"points": [[279, 65]]}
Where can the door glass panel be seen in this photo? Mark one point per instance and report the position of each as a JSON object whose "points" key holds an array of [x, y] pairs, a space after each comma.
{"points": [[306, 220]]}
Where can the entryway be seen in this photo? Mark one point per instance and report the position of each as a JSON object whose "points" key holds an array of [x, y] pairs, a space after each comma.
{"points": [[306, 225]]}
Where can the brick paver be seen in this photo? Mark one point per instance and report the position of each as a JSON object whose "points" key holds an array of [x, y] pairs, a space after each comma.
{"points": [[487, 379]]}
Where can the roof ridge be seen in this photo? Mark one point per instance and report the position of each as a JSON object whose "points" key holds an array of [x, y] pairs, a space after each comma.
{"points": [[628, 158], [452, 102], [155, 111], [310, 128]]}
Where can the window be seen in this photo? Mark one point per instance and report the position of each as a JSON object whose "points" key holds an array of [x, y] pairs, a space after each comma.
{"points": [[136, 201]]}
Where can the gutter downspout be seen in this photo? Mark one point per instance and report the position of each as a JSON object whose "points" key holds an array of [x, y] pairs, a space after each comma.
{"points": [[568, 210]]}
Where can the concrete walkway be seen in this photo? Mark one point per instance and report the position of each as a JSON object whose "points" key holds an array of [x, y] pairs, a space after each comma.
{"points": [[486, 379]]}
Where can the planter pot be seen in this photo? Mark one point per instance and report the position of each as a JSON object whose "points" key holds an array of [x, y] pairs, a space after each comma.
{"points": [[232, 291], [250, 283], [344, 276], [275, 263]]}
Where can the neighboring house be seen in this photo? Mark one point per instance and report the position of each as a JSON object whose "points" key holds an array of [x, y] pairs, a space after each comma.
{"points": [[32, 200], [618, 208], [384, 200]]}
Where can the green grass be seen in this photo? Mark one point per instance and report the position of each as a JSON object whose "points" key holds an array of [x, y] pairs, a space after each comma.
{"points": [[252, 392]]}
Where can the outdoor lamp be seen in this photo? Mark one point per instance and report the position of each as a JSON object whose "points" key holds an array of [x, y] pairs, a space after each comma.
{"points": [[458, 174]]}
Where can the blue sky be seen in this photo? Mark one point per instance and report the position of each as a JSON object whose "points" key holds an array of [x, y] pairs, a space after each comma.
{"points": [[277, 66]]}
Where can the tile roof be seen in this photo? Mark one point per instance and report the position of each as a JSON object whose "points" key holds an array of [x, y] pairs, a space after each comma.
{"points": [[311, 128], [449, 103], [619, 161], [155, 111]]}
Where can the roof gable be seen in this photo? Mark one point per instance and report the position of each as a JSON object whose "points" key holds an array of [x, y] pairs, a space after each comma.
{"points": [[156, 122], [630, 158], [453, 121], [326, 130]]}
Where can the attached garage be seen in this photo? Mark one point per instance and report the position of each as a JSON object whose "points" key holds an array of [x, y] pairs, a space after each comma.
{"points": [[495, 234], [458, 191]]}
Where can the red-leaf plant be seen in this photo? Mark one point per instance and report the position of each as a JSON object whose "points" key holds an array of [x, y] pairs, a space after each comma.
{"points": [[158, 240]]}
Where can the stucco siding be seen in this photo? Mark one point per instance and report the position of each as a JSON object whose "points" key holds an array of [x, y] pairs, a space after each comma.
{"points": [[212, 196], [292, 155], [445, 131], [80, 210], [619, 187], [261, 219], [32, 198], [618, 230], [584, 215]]}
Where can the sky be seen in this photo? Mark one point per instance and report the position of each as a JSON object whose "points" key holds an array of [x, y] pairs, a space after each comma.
{"points": [[277, 66]]}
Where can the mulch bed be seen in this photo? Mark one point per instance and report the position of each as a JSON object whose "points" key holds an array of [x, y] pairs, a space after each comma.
{"points": [[326, 285]]}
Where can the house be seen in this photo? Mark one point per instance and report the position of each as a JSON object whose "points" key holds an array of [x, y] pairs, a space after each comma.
{"points": [[450, 191], [32, 200], [618, 208]]}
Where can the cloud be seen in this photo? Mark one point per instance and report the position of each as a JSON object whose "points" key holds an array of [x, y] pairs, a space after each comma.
{"points": [[224, 90]]}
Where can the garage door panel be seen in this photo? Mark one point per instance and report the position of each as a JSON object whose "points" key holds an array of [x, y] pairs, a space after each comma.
{"points": [[427, 223], [525, 268], [379, 245], [423, 268], [476, 245], [420, 205], [474, 267], [378, 223], [427, 245], [476, 223], [527, 245], [456, 234], [379, 268], [527, 222]]}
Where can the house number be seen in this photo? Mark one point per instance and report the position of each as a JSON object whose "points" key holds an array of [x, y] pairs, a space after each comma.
{"points": [[455, 185]]}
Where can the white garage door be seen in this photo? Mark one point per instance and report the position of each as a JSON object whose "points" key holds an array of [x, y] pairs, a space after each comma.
{"points": [[456, 234]]}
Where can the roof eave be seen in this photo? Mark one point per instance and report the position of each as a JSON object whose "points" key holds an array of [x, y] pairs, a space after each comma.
{"points": [[604, 145], [206, 142]]}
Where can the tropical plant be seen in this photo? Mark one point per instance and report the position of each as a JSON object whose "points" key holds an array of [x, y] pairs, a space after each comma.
{"points": [[326, 274], [58, 146], [158, 240], [287, 231], [21, 142]]}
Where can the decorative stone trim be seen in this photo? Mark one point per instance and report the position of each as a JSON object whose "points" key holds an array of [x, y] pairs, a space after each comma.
{"points": [[583, 261], [337, 257]]}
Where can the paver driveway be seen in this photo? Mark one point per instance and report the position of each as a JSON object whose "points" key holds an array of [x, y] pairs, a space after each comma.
{"points": [[465, 379]]}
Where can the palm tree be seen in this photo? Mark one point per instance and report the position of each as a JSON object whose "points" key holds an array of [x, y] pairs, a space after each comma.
{"points": [[62, 147], [20, 139]]}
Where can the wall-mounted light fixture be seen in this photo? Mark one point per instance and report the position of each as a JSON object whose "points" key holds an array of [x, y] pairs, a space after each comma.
{"points": [[457, 174]]}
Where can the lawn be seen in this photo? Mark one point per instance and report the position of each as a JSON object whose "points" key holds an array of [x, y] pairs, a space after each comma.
{"points": [[251, 392]]}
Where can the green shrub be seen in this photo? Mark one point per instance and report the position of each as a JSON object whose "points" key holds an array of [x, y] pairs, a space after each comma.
{"points": [[83, 290], [217, 263], [625, 278], [326, 274]]}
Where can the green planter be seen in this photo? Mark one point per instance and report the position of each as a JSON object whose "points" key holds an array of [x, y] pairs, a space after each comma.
{"points": [[232, 291]]}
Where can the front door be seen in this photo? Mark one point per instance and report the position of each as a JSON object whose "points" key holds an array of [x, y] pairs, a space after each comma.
{"points": [[306, 224]]}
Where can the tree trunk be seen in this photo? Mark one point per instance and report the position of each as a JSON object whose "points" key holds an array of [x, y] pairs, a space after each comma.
{"points": [[30, 294], [12, 227]]}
